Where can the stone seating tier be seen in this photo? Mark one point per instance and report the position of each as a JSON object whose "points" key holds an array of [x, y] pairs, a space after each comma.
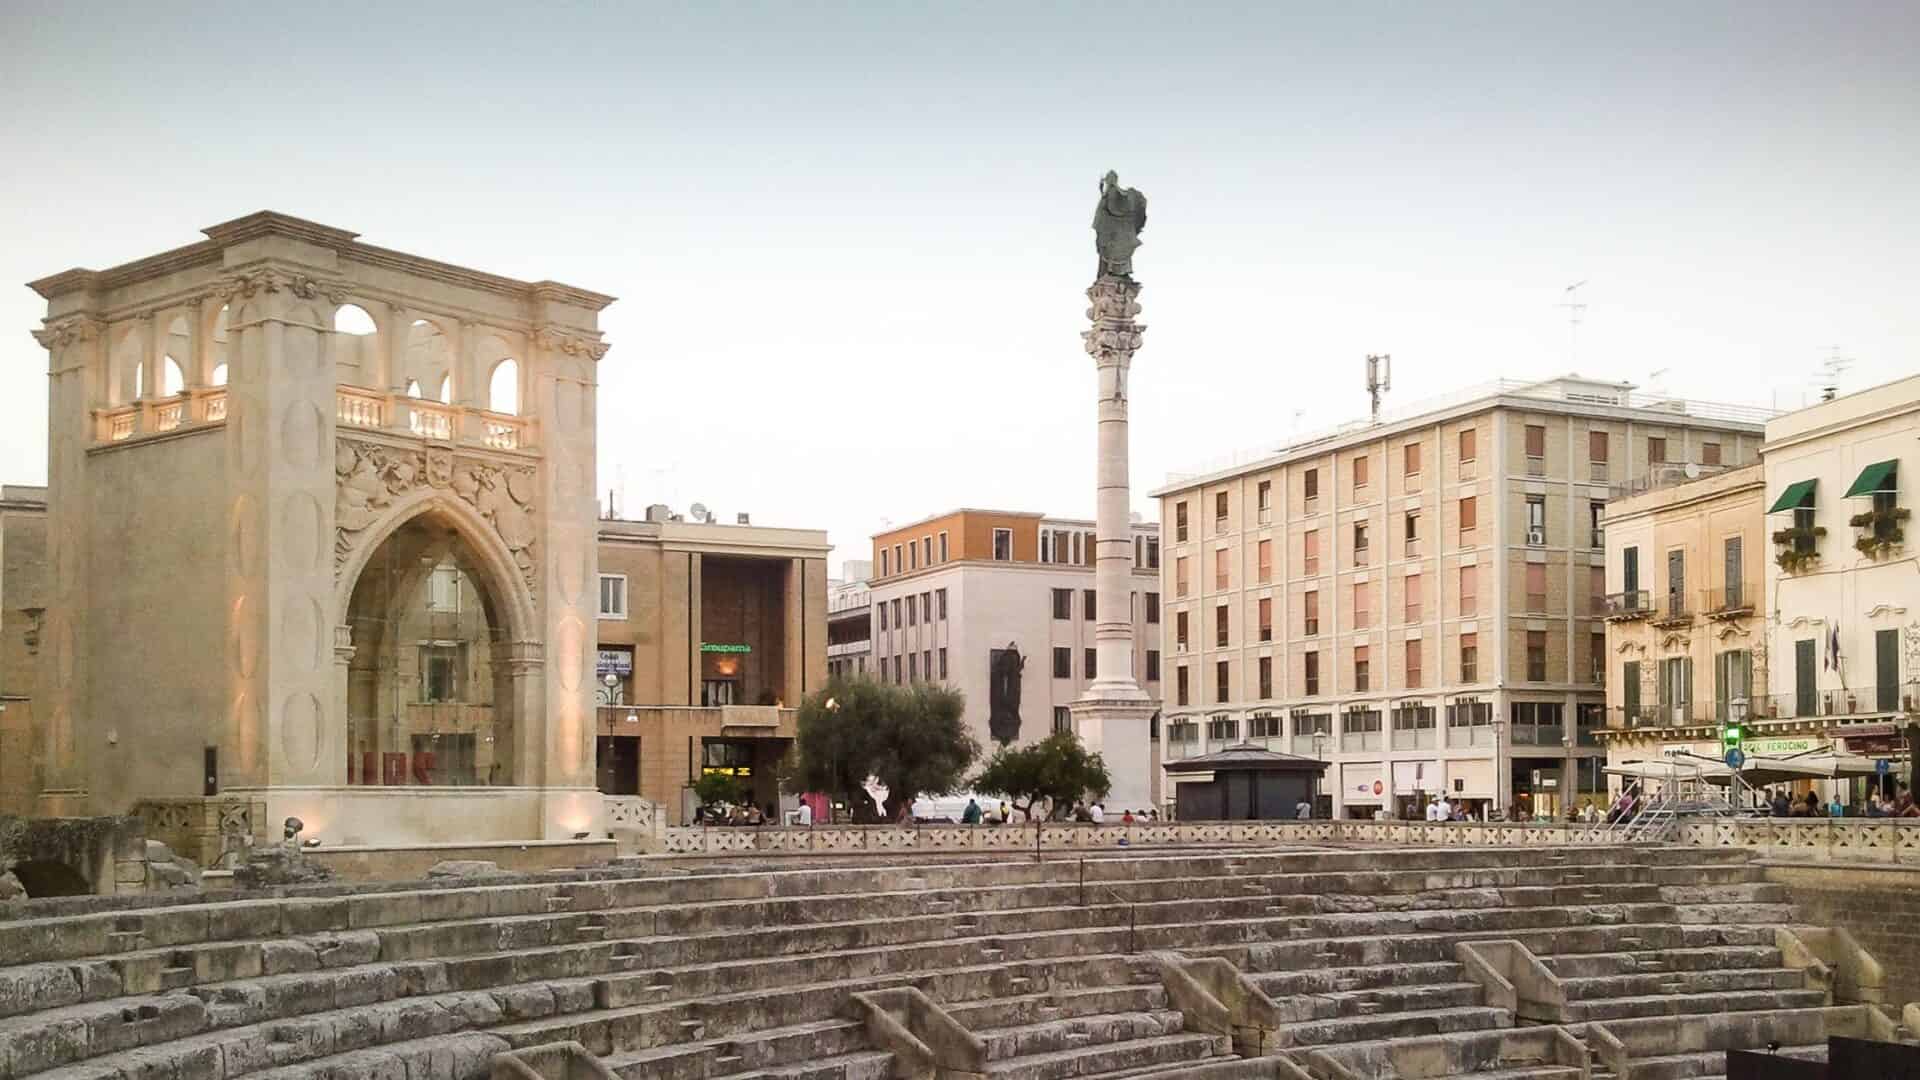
{"points": [[713, 973]]}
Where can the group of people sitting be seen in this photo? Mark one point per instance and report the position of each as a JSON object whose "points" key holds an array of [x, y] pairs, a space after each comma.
{"points": [[1878, 804]]}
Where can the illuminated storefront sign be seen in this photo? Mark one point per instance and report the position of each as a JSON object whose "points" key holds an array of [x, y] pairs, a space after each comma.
{"points": [[718, 647]]}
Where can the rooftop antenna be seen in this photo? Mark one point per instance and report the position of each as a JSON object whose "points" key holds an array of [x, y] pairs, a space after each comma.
{"points": [[1830, 371], [1379, 379], [1570, 299]]}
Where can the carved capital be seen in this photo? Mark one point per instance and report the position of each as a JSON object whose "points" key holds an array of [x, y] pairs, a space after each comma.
{"points": [[71, 330], [1114, 336], [556, 340]]}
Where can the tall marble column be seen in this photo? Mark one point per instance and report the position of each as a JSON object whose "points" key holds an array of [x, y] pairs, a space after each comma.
{"points": [[1113, 715]]}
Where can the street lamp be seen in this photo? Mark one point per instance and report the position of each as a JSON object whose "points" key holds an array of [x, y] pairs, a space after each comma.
{"points": [[1320, 737]]}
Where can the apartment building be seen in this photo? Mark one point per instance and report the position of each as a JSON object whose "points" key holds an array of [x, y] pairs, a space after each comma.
{"points": [[1685, 617], [1419, 600], [953, 590], [850, 620]]}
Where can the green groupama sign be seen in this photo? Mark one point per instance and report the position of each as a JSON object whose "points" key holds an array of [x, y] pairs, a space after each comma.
{"points": [[715, 646]]}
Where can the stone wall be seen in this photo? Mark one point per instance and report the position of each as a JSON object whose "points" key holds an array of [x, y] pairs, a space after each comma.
{"points": [[1878, 905]]}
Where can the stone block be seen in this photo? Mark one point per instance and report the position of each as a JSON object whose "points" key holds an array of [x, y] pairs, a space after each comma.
{"points": [[283, 957], [244, 1053], [245, 920], [297, 995], [34, 1048], [347, 949], [383, 909], [39, 986], [355, 1029], [366, 985], [145, 1022], [314, 916], [453, 904], [185, 924]]}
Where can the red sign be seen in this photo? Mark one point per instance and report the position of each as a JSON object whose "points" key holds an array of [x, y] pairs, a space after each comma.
{"points": [[1377, 789]]}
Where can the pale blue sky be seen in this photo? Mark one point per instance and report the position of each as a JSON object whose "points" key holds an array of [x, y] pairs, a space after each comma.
{"points": [[850, 240]]}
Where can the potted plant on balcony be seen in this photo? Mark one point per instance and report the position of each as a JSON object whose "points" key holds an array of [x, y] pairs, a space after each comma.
{"points": [[1881, 530], [1799, 547]]}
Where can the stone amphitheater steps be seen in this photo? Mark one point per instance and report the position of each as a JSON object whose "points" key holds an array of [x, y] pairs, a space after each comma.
{"points": [[1157, 1052], [1407, 1024], [1704, 1065], [1686, 1001], [748, 1054]]}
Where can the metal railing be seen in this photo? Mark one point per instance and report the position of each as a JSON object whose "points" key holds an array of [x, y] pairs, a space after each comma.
{"points": [[1864, 700], [1729, 600], [1634, 604], [1675, 606]]}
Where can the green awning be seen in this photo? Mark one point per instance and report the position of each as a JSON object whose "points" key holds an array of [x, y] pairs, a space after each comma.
{"points": [[1875, 477], [1795, 497]]}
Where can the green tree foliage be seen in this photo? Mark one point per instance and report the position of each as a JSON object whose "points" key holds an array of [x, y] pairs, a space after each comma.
{"points": [[1058, 769], [913, 740], [714, 788]]}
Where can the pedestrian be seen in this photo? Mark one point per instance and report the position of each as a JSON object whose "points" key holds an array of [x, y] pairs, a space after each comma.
{"points": [[1303, 810], [1780, 807], [804, 816], [1097, 813], [971, 815], [905, 816], [1126, 817], [1836, 808]]}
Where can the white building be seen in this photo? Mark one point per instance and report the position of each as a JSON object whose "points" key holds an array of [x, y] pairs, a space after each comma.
{"points": [[850, 621], [1843, 585]]}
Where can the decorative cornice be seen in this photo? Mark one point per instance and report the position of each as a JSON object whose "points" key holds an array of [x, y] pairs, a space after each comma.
{"points": [[549, 337], [1878, 610], [68, 331], [1799, 621], [272, 280]]}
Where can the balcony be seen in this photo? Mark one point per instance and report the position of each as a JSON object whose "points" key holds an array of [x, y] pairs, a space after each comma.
{"points": [[359, 407], [155, 416], [1731, 602], [748, 721], [1675, 610], [1622, 606], [1847, 701], [1597, 472], [1634, 716]]}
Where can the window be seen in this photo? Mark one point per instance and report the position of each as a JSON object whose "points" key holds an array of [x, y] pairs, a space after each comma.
{"points": [[1153, 608], [1466, 445], [926, 607], [886, 563], [1677, 581], [1469, 518], [1311, 483], [1413, 727], [613, 596], [1596, 656], [1220, 568], [913, 556], [1410, 459], [1596, 589], [1050, 545], [1263, 496], [1153, 553], [1266, 678], [1090, 660], [1362, 666], [1220, 511], [1630, 694], [1266, 618], [1536, 656], [897, 678], [1310, 547], [1536, 587], [1536, 520], [1630, 571], [1182, 731], [1469, 658], [1088, 602], [1735, 594], [913, 612], [943, 547], [442, 671], [1597, 536], [1179, 522], [1536, 445], [1412, 595], [1220, 687], [881, 607], [1360, 729], [926, 663], [1263, 725], [1413, 665], [1311, 672], [1062, 662], [1264, 560], [1732, 681], [1597, 447], [1412, 534], [1153, 665], [1310, 732], [1062, 719], [1220, 620], [1223, 729], [1180, 692], [1537, 723], [1360, 471], [926, 545], [1180, 576], [443, 590], [1180, 629], [1588, 718], [943, 663], [940, 603], [1710, 453], [1359, 543], [1362, 606], [899, 561], [913, 668], [1311, 609], [1656, 451], [1003, 545]]}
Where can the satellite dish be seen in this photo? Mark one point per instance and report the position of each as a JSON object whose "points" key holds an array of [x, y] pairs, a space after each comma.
{"points": [[1693, 471], [699, 511]]}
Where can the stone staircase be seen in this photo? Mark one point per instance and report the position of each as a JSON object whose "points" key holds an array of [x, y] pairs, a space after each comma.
{"points": [[1038, 970]]}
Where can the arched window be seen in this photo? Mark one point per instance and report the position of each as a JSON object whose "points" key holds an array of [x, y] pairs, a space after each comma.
{"points": [[220, 375], [139, 380], [172, 381], [446, 390], [353, 319], [503, 391], [413, 388]]}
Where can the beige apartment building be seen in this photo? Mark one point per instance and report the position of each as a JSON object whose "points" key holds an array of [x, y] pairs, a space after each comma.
{"points": [[1419, 600], [1686, 615], [951, 592], [23, 555]]}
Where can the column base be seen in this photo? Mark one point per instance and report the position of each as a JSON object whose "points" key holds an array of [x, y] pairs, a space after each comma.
{"points": [[1118, 730]]}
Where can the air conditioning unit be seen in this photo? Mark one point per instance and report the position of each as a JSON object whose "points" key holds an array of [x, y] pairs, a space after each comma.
{"points": [[1536, 537]]}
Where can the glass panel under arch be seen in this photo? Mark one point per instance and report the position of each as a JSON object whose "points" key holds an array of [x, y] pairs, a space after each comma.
{"points": [[427, 703]]}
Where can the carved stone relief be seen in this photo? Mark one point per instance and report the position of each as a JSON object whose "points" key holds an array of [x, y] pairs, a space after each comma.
{"points": [[368, 477]]}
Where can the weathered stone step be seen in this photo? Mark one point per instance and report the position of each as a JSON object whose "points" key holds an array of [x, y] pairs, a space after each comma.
{"points": [[779, 1047], [1708, 1065], [1695, 981], [1571, 966], [866, 1065], [1756, 914], [1337, 979], [1684, 999], [1134, 1054], [1002, 1012], [1078, 1032], [1397, 1025]]}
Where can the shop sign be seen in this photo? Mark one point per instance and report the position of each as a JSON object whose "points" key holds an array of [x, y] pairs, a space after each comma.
{"points": [[1782, 746], [615, 662], [720, 647]]}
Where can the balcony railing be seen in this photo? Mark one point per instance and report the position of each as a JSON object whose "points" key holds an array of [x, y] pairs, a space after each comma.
{"points": [[354, 407], [1869, 700], [1675, 608], [1634, 604], [1730, 601], [154, 416]]}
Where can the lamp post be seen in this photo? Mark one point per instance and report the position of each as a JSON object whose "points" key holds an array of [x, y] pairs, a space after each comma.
{"points": [[1320, 751]]}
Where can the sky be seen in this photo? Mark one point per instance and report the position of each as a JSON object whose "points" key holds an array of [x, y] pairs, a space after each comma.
{"points": [[851, 241]]}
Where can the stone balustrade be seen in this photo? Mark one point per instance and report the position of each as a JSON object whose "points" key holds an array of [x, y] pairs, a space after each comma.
{"points": [[1884, 840], [361, 407], [155, 416]]}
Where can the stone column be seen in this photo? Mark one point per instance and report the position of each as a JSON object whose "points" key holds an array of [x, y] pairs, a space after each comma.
{"points": [[1112, 716], [77, 378], [393, 368]]}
